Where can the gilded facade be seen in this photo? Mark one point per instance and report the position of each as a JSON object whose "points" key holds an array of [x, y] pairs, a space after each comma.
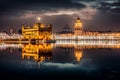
{"points": [[38, 31]]}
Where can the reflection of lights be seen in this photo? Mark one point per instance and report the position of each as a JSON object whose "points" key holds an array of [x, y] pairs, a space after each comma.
{"points": [[89, 44], [66, 43], [78, 54], [39, 53], [5, 46], [89, 36]]}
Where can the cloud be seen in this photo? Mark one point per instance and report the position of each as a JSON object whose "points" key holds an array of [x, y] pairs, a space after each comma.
{"points": [[16, 6], [60, 65], [14, 13], [85, 64], [17, 12], [109, 6], [87, 12]]}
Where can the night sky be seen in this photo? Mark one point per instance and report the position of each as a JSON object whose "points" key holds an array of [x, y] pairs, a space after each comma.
{"points": [[96, 15]]}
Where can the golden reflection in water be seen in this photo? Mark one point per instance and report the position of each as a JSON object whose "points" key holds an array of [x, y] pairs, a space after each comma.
{"points": [[39, 53], [79, 46], [43, 52], [78, 54]]}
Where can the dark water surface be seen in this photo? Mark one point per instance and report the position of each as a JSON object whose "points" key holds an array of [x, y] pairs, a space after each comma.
{"points": [[44, 60]]}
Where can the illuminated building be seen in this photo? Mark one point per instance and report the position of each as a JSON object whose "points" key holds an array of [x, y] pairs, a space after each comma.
{"points": [[78, 27], [80, 34], [66, 30], [5, 36], [39, 53], [38, 31], [66, 33], [4, 46]]}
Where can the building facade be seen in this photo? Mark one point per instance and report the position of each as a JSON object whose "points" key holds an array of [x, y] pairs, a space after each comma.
{"points": [[78, 27], [38, 31], [66, 33], [80, 34]]}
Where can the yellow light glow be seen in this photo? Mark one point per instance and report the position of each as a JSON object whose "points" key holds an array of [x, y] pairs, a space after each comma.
{"points": [[38, 18], [34, 51], [78, 54]]}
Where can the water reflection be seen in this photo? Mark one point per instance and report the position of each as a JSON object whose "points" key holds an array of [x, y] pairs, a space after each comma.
{"points": [[89, 44], [39, 53], [78, 54], [43, 52], [62, 54]]}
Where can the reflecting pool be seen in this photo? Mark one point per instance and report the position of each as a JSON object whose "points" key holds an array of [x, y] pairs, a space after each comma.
{"points": [[94, 59]]}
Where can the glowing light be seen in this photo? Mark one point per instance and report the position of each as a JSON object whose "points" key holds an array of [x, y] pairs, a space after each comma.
{"points": [[38, 18], [30, 50], [35, 33]]}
